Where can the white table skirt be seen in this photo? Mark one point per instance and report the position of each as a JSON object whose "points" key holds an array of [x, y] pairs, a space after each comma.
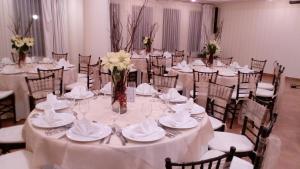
{"points": [[187, 146]]}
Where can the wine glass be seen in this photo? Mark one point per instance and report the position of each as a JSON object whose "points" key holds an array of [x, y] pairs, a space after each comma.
{"points": [[84, 107], [115, 116], [149, 111]]}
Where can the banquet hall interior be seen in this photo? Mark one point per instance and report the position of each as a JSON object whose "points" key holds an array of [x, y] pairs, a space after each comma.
{"points": [[149, 84]]}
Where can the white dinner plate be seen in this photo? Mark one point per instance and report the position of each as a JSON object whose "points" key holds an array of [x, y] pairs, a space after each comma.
{"points": [[227, 73], [60, 104], [166, 121], [87, 95], [12, 72], [103, 132], [195, 110], [157, 135], [64, 119]]}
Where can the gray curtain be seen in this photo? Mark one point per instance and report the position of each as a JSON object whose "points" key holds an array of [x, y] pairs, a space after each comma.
{"points": [[144, 26], [115, 29], [194, 34], [171, 32], [24, 9]]}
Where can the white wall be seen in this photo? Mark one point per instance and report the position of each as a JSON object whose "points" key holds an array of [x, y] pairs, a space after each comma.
{"points": [[158, 6], [263, 30], [96, 28]]}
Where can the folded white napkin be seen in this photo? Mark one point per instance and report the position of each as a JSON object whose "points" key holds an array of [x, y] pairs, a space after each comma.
{"points": [[145, 88], [51, 99], [28, 60], [144, 129], [6, 60], [10, 69], [171, 95], [79, 92], [50, 117], [157, 53], [167, 54], [106, 89], [219, 63], [235, 65], [179, 118], [246, 69], [198, 63], [64, 63], [86, 128], [46, 60]]}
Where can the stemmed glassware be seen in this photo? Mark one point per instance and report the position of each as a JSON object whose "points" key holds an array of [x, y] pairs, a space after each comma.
{"points": [[84, 107]]}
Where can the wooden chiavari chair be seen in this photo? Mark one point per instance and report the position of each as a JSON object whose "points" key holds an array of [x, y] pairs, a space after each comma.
{"points": [[179, 52], [39, 88], [177, 59], [83, 63], [218, 101], [215, 162], [258, 66], [201, 80], [225, 60], [132, 78], [94, 77], [164, 82], [58, 76], [247, 83], [58, 56], [246, 142]]}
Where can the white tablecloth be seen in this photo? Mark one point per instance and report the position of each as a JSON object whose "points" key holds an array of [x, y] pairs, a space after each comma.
{"points": [[17, 83], [187, 146]]}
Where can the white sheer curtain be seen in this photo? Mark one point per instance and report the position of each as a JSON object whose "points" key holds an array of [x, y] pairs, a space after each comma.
{"points": [[6, 17], [207, 24], [194, 34], [55, 26], [171, 29]]}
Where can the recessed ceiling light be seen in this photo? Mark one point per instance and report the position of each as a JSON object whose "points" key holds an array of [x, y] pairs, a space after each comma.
{"points": [[193, 0]]}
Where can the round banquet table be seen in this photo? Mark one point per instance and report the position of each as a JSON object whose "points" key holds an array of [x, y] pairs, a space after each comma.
{"points": [[54, 150], [17, 83]]}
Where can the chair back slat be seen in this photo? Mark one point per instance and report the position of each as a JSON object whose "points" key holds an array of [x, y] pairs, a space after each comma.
{"points": [[93, 76], [177, 59], [258, 66], [58, 56], [58, 76], [225, 60], [83, 63], [201, 80], [164, 82]]}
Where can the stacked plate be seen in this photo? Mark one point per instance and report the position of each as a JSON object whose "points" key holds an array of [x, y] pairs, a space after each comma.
{"points": [[195, 109], [57, 120], [83, 95], [58, 105], [173, 121]]}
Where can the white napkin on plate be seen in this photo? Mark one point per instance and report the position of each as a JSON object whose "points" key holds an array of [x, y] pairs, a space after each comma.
{"points": [[157, 53], [79, 92], [86, 128], [171, 95], [198, 63], [144, 129], [106, 89], [46, 60], [145, 88], [179, 118], [50, 117], [235, 65], [219, 63], [64, 63], [189, 105], [182, 64], [167, 54], [28, 60], [6, 61]]}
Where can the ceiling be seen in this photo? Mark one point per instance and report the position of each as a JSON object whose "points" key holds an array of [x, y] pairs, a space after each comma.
{"points": [[208, 1]]}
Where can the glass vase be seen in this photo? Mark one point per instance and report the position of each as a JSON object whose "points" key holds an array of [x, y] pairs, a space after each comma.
{"points": [[21, 59], [210, 60], [119, 84]]}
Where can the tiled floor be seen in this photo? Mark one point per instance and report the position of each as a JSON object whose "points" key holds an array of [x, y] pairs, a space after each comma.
{"points": [[287, 127]]}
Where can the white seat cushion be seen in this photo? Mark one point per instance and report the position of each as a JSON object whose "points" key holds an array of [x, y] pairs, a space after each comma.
{"points": [[238, 163], [72, 85], [264, 93], [222, 141], [211, 154], [16, 160], [267, 86], [82, 75], [179, 87], [11, 134], [216, 123], [234, 93], [4, 94]]}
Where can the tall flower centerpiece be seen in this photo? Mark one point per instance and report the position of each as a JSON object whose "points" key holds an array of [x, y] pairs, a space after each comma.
{"points": [[212, 48], [147, 41], [118, 63], [21, 45]]}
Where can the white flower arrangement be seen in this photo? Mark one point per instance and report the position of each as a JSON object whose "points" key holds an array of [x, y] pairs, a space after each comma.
{"points": [[212, 47], [117, 61], [147, 41], [22, 44]]}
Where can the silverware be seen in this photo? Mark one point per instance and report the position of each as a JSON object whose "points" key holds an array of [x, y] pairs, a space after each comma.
{"points": [[122, 138], [169, 132], [109, 136]]}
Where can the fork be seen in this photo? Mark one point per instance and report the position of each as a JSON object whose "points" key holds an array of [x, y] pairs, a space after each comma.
{"points": [[109, 136]]}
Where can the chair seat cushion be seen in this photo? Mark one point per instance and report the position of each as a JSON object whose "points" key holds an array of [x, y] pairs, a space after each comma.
{"points": [[216, 123], [82, 75], [222, 141], [264, 93], [179, 87], [11, 134], [16, 160], [234, 93], [4, 94], [72, 85], [238, 163], [267, 86], [211, 154]]}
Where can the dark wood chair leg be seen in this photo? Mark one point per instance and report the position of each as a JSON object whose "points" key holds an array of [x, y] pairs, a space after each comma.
{"points": [[233, 114]]}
